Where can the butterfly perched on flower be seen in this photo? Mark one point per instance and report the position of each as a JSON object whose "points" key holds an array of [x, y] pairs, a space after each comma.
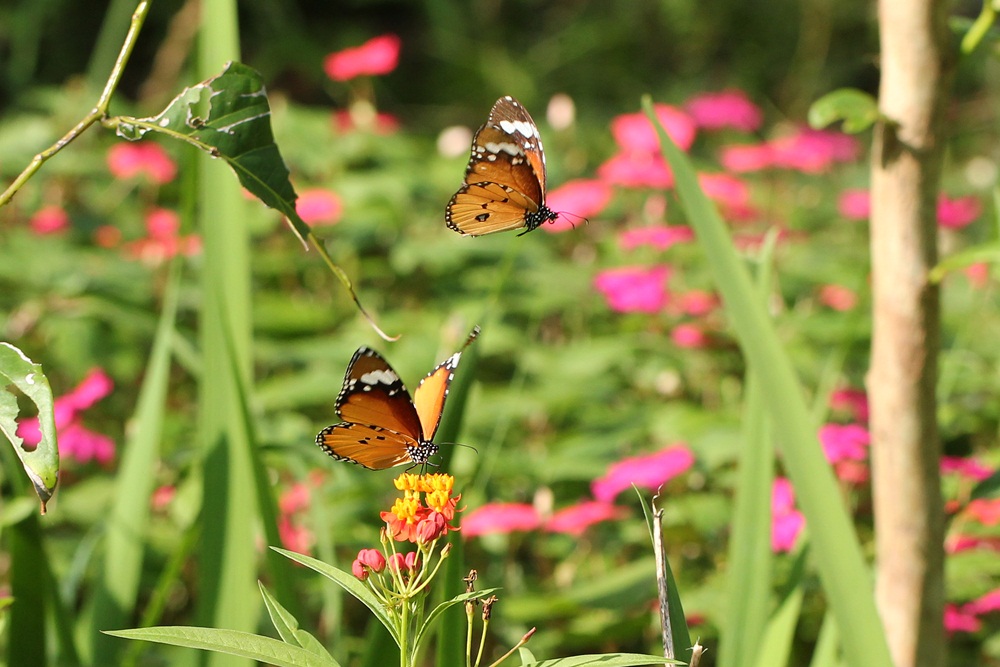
{"points": [[381, 426], [505, 179]]}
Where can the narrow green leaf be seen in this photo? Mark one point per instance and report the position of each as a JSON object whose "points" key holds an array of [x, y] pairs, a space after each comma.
{"points": [[288, 627], [846, 579], [231, 642], [825, 653], [986, 252], [857, 109], [776, 643], [606, 660], [440, 609], [41, 463], [526, 655], [350, 584]]}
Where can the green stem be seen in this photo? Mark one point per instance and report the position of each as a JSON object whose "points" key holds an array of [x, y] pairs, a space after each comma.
{"points": [[482, 642], [96, 114], [404, 635]]}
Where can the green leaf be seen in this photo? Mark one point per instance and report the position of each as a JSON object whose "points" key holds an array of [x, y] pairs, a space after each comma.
{"points": [[606, 660], [440, 609], [228, 116], [350, 584], [232, 642], [41, 463], [857, 109], [288, 627], [986, 252]]}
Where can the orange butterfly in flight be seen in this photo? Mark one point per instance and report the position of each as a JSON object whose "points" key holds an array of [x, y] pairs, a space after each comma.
{"points": [[505, 179], [381, 426]]}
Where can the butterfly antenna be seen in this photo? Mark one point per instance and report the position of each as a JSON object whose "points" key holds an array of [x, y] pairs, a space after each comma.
{"points": [[567, 214], [460, 444]]}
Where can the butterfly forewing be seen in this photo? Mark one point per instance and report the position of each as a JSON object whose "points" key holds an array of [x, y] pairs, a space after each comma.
{"points": [[374, 394], [511, 117], [372, 446], [498, 157]]}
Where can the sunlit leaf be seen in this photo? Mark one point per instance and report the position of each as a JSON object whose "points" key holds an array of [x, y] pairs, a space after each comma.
{"points": [[857, 109]]}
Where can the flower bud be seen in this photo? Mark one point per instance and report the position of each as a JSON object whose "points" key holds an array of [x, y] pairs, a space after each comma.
{"points": [[373, 559], [359, 570]]}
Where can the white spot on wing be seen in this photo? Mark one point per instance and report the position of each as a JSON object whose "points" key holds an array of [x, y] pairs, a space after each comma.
{"points": [[521, 127], [379, 377], [510, 149]]}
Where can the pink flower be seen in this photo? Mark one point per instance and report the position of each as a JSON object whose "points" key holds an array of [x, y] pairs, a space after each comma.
{"points": [[969, 468], [634, 133], [501, 518], [383, 123], [855, 204], [957, 619], [697, 303], [729, 108], [128, 159], [585, 198], [648, 472], [743, 158], [959, 543], [689, 336], [726, 189], [637, 170], [660, 237], [294, 536], [844, 441], [838, 297], [163, 241], [957, 213], [978, 274], [814, 151], [984, 510], [634, 289], [855, 401], [49, 220], [379, 55], [404, 562], [295, 499], [372, 559], [985, 604], [83, 445], [319, 207], [575, 520], [786, 521], [162, 497]]}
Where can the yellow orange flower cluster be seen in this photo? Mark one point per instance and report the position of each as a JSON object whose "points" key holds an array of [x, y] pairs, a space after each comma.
{"points": [[423, 513]]}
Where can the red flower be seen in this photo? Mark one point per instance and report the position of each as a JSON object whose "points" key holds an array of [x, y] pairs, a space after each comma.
{"points": [[500, 518], [575, 520], [729, 108], [648, 472], [985, 510], [838, 297], [634, 289], [404, 562], [49, 220], [164, 240], [319, 207], [372, 560], [127, 159], [379, 55]]}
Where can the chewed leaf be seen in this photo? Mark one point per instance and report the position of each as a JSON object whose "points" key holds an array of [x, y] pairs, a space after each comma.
{"points": [[228, 116], [41, 463]]}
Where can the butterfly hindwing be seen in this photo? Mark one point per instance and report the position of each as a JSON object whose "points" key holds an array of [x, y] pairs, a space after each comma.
{"points": [[484, 208], [374, 394], [372, 446]]}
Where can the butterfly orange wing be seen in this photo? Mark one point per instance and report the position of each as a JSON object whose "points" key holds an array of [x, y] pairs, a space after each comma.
{"points": [[374, 394], [484, 208], [371, 446], [513, 119], [430, 395]]}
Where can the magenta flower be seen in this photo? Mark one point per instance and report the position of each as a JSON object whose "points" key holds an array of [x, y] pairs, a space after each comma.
{"points": [[985, 604], [379, 55], [786, 521], [725, 189], [50, 219], [500, 518], [319, 207], [635, 134], [634, 289], [660, 237], [854, 401], [855, 204], [984, 510], [957, 619], [725, 109], [75, 441], [371, 559], [844, 442], [294, 536], [295, 499], [689, 336], [957, 213], [584, 198], [636, 170], [958, 543], [838, 297], [743, 158], [575, 520], [968, 468], [648, 472], [145, 158], [814, 151]]}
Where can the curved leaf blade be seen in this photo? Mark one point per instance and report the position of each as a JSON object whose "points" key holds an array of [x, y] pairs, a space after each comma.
{"points": [[857, 109]]}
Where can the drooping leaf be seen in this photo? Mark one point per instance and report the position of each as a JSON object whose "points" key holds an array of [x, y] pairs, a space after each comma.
{"points": [[857, 109], [606, 660], [42, 462], [288, 627]]}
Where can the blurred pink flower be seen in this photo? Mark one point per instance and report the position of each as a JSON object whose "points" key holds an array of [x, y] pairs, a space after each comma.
{"points": [[838, 297], [985, 604], [634, 289], [854, 401], [379, 55], [635, 134], [584, 198], [295, 499], [844, 441], [648, 472], [786, 521], [384, 123], [978, 274], [50, 219], [957, 213], [163, 241], [725, 189], [75, 441], [697, 302], [319, 207], [660, 237], [742, 158], [575, 520], [728, 108], [814, 151], [689, 336], [162, 497], [957, 619], [294, 536], [636, 170], [958, 543], [107, 236], [855, 204], [984, 510], [500, 518], [127, 159], [969, 467]]}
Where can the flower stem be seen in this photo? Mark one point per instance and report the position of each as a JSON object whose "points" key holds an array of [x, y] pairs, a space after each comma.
{"points": [[96, 114]]}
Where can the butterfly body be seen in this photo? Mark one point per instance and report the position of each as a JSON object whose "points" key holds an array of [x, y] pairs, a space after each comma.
{"points": [[505, 178], [382, 426]]}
